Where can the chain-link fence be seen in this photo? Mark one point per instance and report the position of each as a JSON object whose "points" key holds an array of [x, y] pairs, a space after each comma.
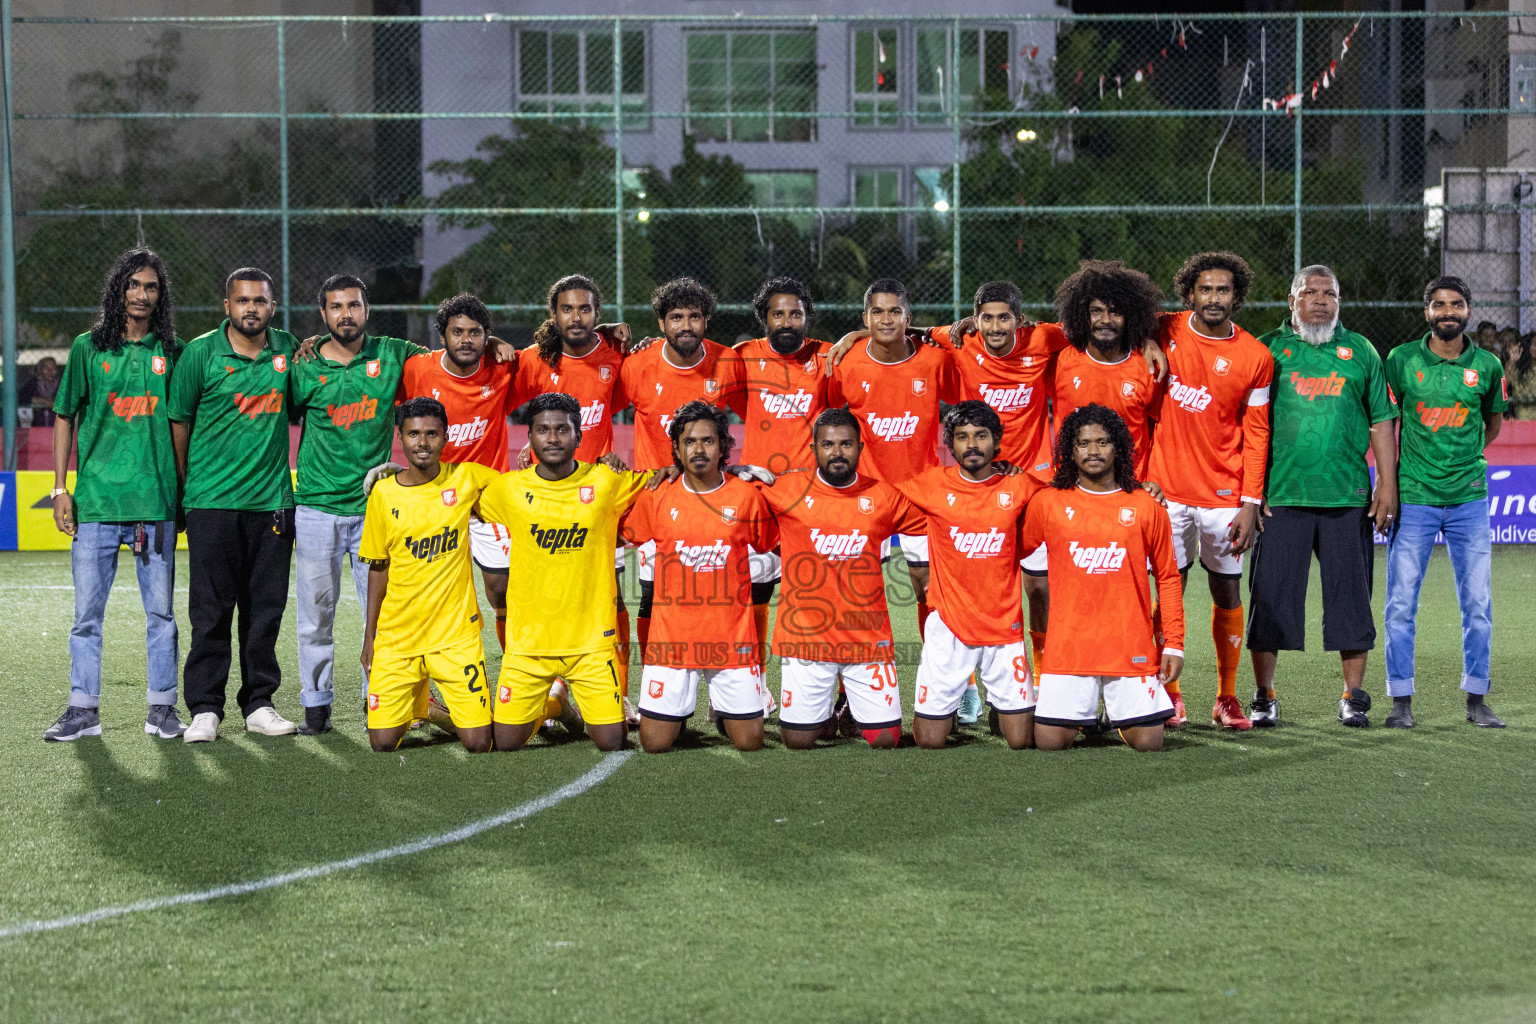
{"points": [[494, 153]]}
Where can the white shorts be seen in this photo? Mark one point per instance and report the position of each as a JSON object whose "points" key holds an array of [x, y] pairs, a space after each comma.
{"points": [[1203, 531], [946, 669], [767, 566], [1035, 562], [1128, 700], [490, 545], [808, 691], [914, 547], [648, 562], [672, 694]]}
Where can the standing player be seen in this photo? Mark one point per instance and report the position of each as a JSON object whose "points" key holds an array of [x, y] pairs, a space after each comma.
{"points": [[1212, 447], [1102, 530], [344, 396], [1453, 398], [973, 538], [832, 621], [479, 393], [423, 622], [562, 516], [702, 525]]}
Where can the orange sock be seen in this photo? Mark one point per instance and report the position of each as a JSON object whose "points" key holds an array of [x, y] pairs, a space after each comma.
{"points": [[501, 631], [621, 651], [760, 619], [1227, 633], [923, 611], [1036, 648]]}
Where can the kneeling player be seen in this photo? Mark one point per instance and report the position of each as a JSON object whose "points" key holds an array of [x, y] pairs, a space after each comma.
{"points": [[423, 620], [562, 516], [832, 619], [704, 524], [973, 539], [1102, 530]]}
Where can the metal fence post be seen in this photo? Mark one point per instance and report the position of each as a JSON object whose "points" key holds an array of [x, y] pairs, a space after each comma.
{"points": [[954, 188], [282, 161], [7, 247], [1296, 158], [618, 167]]}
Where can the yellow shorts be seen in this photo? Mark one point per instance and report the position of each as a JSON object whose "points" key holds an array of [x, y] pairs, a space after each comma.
{"points": [[525, 681], [397, 687]]}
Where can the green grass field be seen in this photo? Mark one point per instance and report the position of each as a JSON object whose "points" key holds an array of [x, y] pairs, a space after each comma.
{"points": [[1311, 873]]}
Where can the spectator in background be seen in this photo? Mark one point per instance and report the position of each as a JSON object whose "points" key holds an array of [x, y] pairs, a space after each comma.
{"points": [[1521, 374], [1507, 345], [40, 390], [1487, 335]]}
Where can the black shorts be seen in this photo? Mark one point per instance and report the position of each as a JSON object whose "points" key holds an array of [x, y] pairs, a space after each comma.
{"points": [[1282, 561]]}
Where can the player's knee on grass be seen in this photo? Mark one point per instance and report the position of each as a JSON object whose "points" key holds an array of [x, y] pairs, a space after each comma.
{"points": [[1053, 737], [1017, 728], [930, 733], [384, 741], [657, 735], [883, 739], [514, 737], [607, 738], [476, 741], [798, 739], [746, 734], [1144, 739]]}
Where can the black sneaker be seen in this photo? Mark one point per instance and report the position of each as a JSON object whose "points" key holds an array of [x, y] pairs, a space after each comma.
{"points": [[73, 724], [1352, 709], [1400, 717], [163, 723], [316, 721], [1479, 714], [1264, 713]]}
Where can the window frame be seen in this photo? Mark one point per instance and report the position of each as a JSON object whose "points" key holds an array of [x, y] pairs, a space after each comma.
{"points": [[694, 122], [596, 108]]}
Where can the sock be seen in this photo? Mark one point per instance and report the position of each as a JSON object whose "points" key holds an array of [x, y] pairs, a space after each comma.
{"points": [[1227, 633], [1264, 692], [643, 633], [621, 652], [923, 611], [1346, 693], [1037, 648], [501, 631], [971, 686], [873, 736], [760, 619]]}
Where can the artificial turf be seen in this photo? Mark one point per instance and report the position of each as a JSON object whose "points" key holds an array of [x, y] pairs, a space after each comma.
{"points": [[1311, 873]]}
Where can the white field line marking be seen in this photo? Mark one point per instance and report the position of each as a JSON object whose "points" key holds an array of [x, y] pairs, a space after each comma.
{"points": [[604, 768]]}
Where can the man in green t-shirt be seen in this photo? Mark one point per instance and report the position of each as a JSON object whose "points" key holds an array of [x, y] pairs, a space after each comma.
{"points": [[345, 398], [229, 423], [111, 404], [1330, 404], [1454, 397]]}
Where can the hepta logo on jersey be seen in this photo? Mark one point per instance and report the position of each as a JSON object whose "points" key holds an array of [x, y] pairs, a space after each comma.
{"points": [[468, 433], [1310, 388], [259, 405], [592, 415], [428, 548], [703, 557], [586, 494], [344, 416], [839, 547], [782, 407], [1007, 399], [893, 428], [1098, 561], [1127, 516], [450, 496], [977, 545], [1190, 399], [559, 539], [1222, 366], [126, 407]]}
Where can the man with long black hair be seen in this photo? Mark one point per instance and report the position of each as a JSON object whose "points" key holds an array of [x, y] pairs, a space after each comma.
{"points": [[111, 403]]}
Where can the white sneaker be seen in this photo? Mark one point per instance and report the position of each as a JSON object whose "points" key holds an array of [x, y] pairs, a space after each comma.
{"points": [[204, 728], [268, 722]]}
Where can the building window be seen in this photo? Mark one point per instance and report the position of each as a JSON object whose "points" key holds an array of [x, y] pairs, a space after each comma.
{"points": [[875, 100], [876, 187], [571, 71], [752, 86], [984, 64], [785, 188], [929, 190]]}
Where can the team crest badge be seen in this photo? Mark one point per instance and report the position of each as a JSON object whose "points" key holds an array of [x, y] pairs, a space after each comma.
{"points": [[280, 363], [486, 391], [604, 373], [450, 496], [586, 494], [728, 513], [1029, 360], [919, 385], [657, 688], [1127, 388], [1127, 516], [866, 505], [1469, 378], [1222, 365], [504, 694], [1345, 352], [1004, 499], [373, 702], [157, 364], [711, 386], [373, 367], [810, 366]]}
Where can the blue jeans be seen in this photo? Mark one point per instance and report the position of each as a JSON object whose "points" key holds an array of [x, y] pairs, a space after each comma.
{"points": [[321, 542], [1467, 542], [93, 564]]}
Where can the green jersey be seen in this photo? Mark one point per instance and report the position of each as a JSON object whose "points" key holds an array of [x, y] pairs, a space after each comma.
{"points": [[348, 417], [126, 464], [1440, 459], [238, 455], [1325, 399]]}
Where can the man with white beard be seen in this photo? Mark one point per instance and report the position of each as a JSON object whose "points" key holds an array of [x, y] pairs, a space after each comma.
{"points": [[1330, 402]]}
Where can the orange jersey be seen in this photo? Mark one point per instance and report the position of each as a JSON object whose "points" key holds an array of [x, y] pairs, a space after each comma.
{"points": [[701, 616], [593, 380], [784, 395], [1101, 608], [832, 601], [1213, 430], [1014, 385], [478, 406], [973, 541], [897, 405], [658, 388], [1126, 387]]}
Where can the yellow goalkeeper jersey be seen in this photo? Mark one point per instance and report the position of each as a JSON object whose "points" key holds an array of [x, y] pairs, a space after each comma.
{"points": [[561, 595], [423, 533]]}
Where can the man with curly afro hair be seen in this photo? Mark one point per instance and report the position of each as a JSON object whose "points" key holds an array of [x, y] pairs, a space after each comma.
{"points": [[1211, 451]]}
